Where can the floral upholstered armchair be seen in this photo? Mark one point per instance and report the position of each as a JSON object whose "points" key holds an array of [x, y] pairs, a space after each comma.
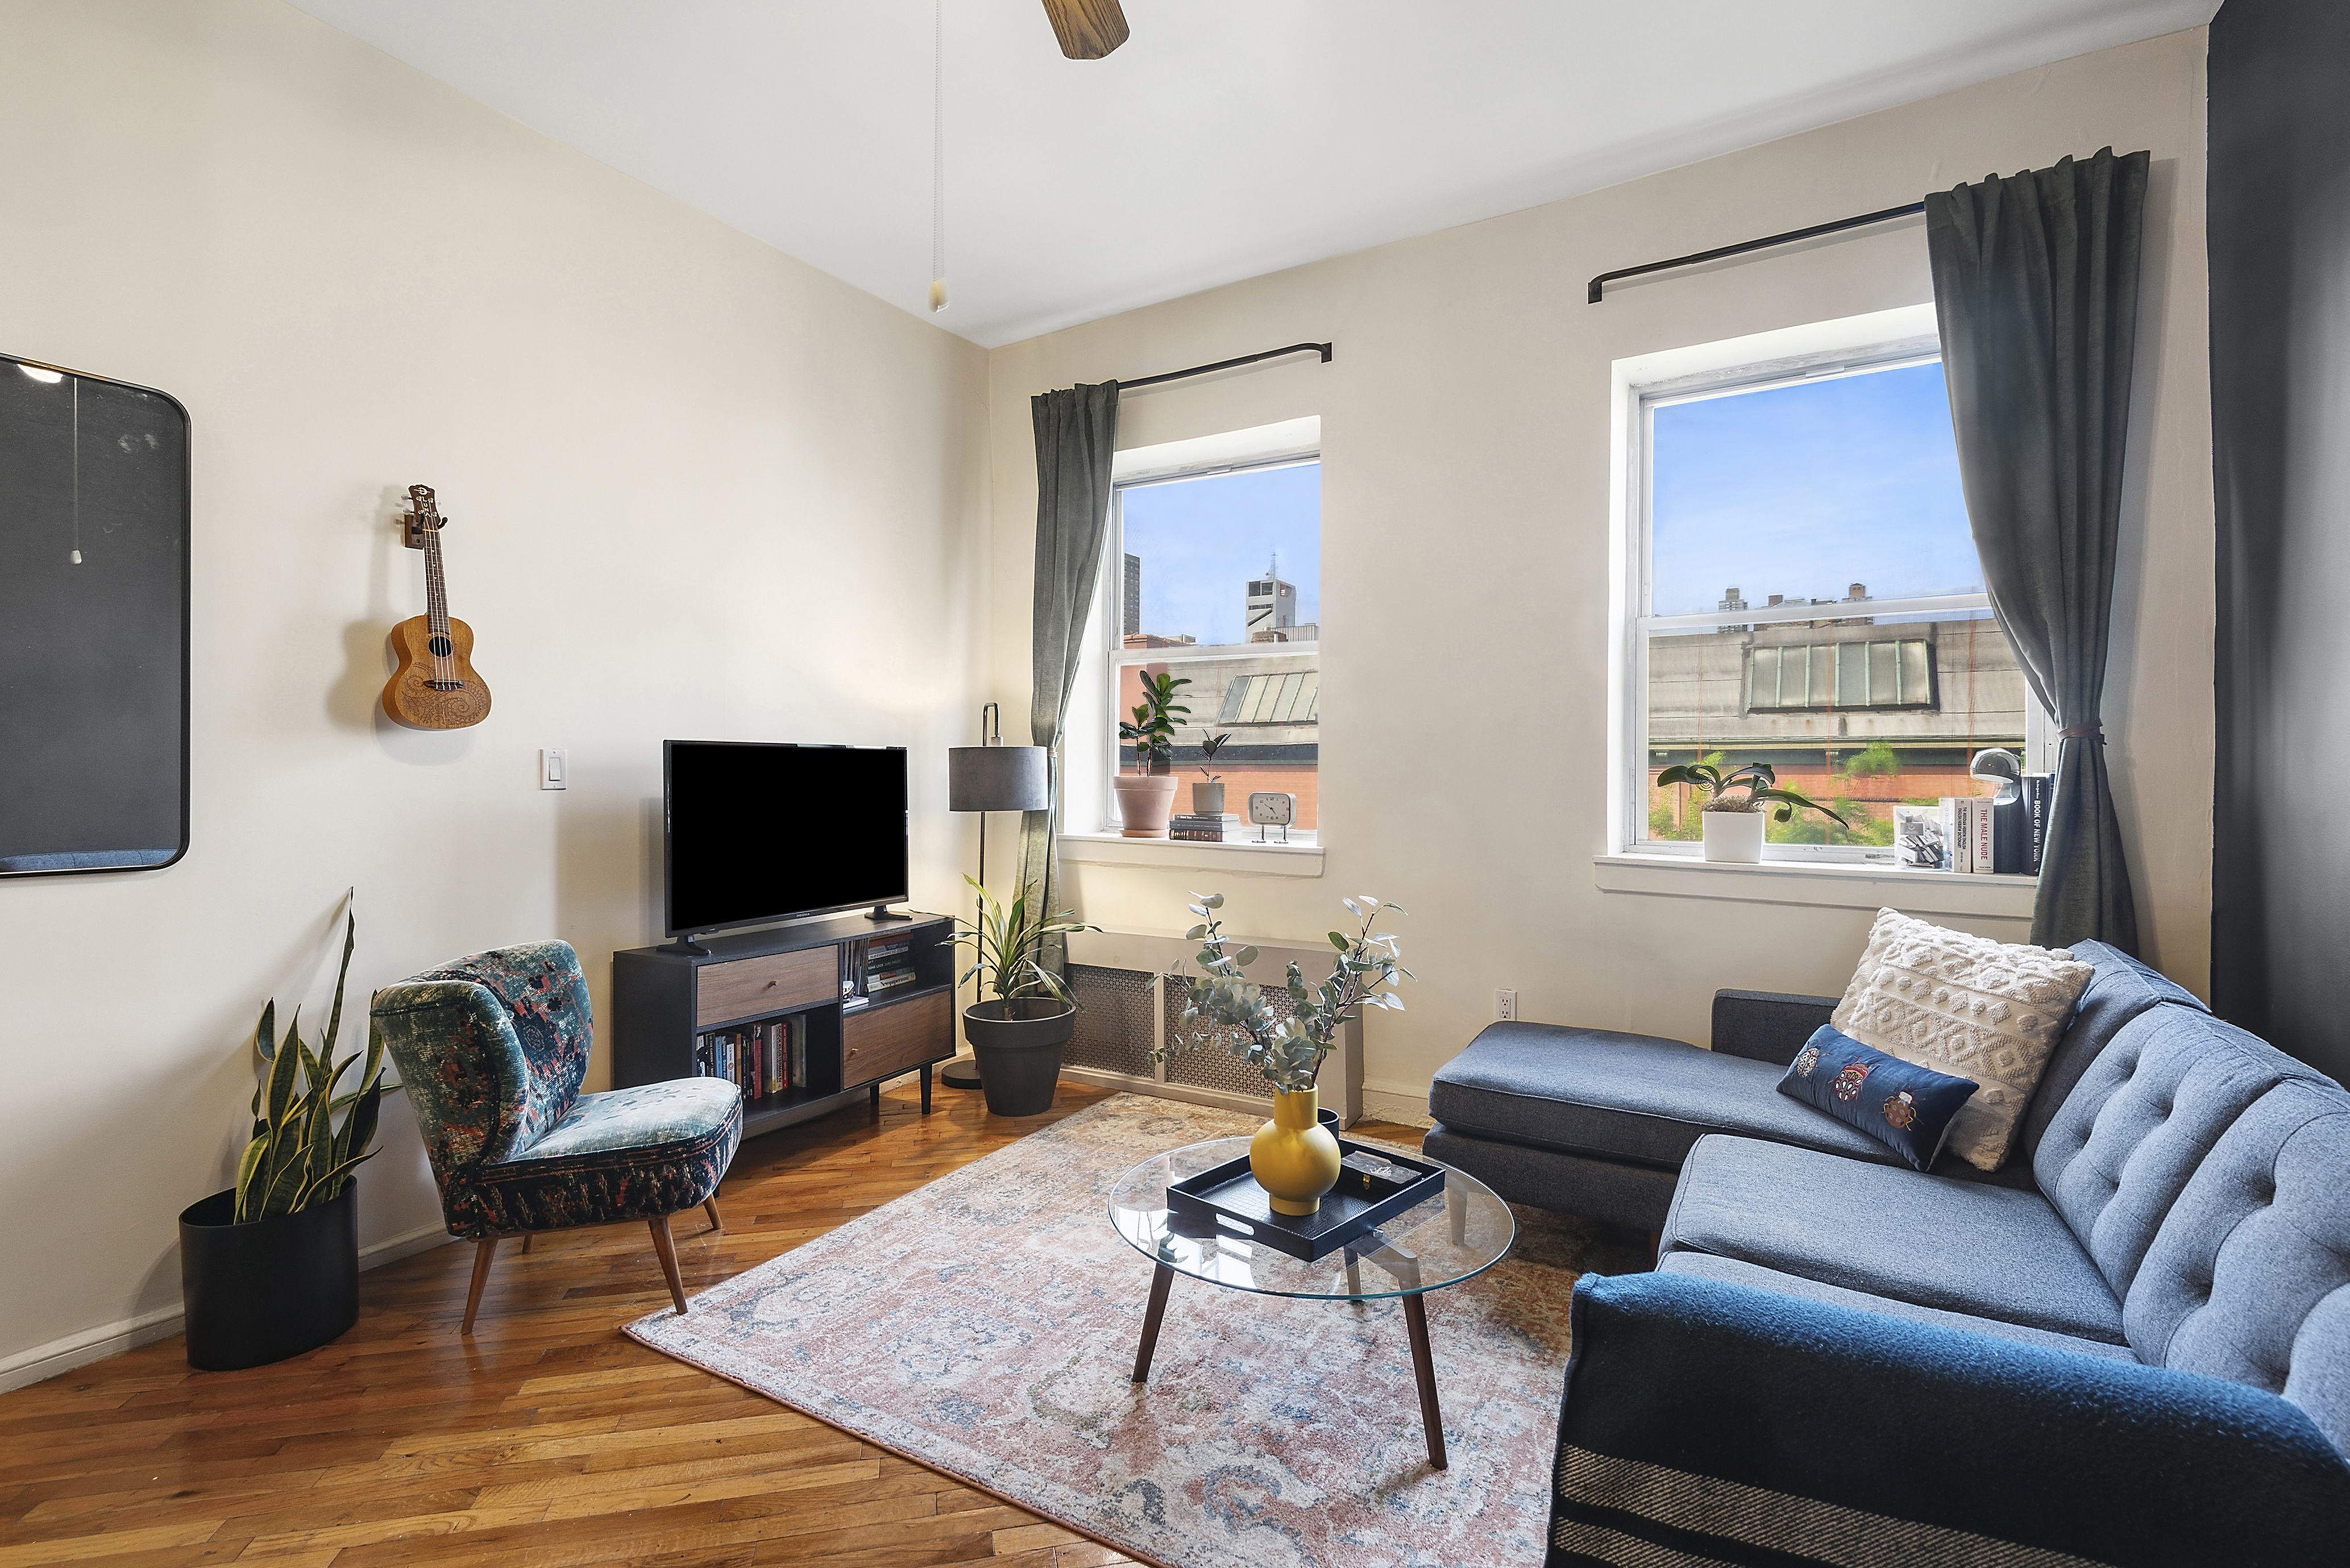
{"points": [[492, 1050]]}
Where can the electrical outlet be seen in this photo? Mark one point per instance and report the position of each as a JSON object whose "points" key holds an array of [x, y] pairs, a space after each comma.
{"points": [[553, 768], [1505, 1005]]}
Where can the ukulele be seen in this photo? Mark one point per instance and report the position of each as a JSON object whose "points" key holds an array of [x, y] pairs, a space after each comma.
{"points": [[436, 686]]}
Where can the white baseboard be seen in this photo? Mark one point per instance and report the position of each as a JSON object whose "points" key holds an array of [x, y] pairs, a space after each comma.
{"points": [[61, 1355], [1405, 1107]]}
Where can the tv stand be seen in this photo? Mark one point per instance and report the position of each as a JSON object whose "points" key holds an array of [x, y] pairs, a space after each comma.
{"points": [[853, 1038], [881, 912]]}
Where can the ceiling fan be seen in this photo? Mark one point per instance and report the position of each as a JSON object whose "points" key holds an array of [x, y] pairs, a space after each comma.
{"points": [[1088, 29]]}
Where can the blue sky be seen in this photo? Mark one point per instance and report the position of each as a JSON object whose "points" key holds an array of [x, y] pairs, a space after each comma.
{"points": [[1807, 489], [1201, 540]]}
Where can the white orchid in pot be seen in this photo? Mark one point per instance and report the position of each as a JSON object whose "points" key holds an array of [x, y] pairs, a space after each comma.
{"points": [[1294, 1157]]}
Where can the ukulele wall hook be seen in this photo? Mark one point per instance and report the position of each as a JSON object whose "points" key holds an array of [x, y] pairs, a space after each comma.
{"points": [[435, 686]]}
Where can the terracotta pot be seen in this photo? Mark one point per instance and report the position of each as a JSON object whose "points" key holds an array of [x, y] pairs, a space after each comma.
{"points": [[1294, 1157], [1208, 799], [1733, 836], [1144, 804]]}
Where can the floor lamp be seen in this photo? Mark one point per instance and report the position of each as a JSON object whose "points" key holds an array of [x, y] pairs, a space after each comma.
{"points": [[992, 776]]}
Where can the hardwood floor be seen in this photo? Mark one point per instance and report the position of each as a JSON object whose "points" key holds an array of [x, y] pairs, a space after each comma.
{"points": [[548, 1438]]}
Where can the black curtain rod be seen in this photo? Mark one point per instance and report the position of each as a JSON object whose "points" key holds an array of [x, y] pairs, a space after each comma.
{"points": [[1321, 348], [1790, 237]]}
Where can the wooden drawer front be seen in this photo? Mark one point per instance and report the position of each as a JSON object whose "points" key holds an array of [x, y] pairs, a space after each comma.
{"points": [[774, 984], [883, 1041]]}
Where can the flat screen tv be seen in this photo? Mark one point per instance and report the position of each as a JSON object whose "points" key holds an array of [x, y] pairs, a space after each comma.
{"points": [[756, 833]]}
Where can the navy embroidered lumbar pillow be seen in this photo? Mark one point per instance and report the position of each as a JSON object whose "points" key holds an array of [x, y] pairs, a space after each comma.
{"points": [[1906, 1107]]}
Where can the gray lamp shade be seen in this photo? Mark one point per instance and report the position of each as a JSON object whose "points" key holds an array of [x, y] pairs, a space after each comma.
{"points": [[997, 778]]}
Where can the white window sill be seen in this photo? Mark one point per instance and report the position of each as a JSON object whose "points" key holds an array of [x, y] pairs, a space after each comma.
{"points": [[1845, 886], [1251, 859]]}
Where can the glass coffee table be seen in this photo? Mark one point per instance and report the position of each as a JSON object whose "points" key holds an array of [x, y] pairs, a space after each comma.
{"points": [[1447, 1240]]}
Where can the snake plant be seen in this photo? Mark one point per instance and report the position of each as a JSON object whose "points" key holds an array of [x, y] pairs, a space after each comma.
{"points": [[298, 1155]]}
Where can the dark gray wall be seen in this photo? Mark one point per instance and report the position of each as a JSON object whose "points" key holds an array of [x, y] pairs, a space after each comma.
{"points": [[2280, 251]]}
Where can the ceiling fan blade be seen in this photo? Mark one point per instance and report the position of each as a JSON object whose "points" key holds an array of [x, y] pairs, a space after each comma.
{"points": [[1088, 29]]}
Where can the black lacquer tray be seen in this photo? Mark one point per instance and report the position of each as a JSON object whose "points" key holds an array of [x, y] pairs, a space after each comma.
{"points": [[1226, 1199]]}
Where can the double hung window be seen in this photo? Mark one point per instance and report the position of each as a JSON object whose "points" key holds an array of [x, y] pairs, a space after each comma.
{"points": [[1804, 592], [1215, 578]]}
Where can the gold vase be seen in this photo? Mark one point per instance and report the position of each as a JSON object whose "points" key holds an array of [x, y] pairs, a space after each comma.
{"points": [[1294, 1157]]}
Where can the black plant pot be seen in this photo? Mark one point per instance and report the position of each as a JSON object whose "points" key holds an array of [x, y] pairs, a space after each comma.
{"points": [[260, 1293], [1017, 1045]]}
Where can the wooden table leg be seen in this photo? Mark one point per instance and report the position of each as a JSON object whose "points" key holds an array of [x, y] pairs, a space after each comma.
{"points": [[1415, 1318], [926, 1088], [1159, 1280]]}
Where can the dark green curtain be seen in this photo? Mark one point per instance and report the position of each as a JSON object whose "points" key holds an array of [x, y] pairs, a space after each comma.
{"points": [[2036, 280], [1076, 435]]}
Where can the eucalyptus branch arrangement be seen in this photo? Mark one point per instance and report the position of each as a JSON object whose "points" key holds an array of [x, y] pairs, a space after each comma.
{"points": [[1760, 781], [1007, 949], [1222, 1005], [1152, 730], [298, 1157]]}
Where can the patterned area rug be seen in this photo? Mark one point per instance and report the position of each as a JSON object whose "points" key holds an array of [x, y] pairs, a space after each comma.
{"points": [[985, 1326]]}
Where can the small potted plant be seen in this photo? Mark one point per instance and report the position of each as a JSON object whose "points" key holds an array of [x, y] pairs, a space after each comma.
{"points": [[1208, 799], [1294, 1157], [270, 1268], [1017, 1033], [1146, 799], [1733, 820]]}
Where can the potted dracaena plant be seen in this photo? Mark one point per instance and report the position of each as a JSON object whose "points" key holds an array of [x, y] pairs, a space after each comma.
{"points": [[1294, 1157], [1208, 799], [1147, 798], [270, 1268], [1017, 1033], [1735, 803]]}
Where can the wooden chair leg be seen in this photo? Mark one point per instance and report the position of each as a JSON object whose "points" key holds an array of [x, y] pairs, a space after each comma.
{"points": [[710, 1206], [484, 1251], [666, 1247]]}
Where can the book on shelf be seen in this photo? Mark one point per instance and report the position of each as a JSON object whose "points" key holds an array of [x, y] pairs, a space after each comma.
{"points": [[1955, 837], [2038, 799], [1984, 845], [795, 1056], [892, 981], [1202, 829]]}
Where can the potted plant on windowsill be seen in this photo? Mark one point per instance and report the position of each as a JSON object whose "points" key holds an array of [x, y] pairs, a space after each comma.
{"points": [[270, 1268], [1017, 1035], [1146, 799], [1294, 1157], [1736, 804], [1208, 799]]}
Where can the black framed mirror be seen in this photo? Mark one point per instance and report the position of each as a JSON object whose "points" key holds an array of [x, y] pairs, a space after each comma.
{"points": [[93, 623]]}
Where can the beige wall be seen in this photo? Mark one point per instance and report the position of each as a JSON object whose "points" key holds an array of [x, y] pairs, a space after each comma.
{"points": [[697, 489], [1466, 454]]}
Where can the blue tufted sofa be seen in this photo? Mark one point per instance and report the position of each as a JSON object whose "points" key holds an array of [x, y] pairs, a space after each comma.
{"points": [[2130, 1345]]}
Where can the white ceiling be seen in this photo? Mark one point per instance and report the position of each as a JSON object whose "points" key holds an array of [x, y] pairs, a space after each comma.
{"points": [[1227, 139]]}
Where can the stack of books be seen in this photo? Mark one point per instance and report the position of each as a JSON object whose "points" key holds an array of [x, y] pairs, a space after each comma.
{"points": [[762, 1060], [1204, 829], [889, 965], [1976, 833]]}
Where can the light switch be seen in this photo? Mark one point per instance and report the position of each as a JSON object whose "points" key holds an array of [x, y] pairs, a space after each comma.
{"points": [[553, 768]]}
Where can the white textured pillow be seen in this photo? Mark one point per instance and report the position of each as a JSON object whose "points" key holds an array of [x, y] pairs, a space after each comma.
{"points": [[1967, 1006]]}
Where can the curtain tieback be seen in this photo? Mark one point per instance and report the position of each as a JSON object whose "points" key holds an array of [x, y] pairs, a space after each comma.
{"points": [[2095, 730]]}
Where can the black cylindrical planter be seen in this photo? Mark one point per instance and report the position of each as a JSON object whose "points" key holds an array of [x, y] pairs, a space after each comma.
{"points": [[260, 1293], [1017, 1045]]}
